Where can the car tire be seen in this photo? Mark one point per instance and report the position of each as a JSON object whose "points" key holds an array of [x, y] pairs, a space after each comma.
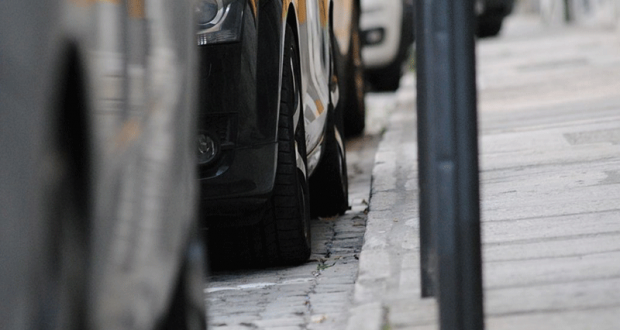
{"points": [[286, 223], [282, 234], [354, 105], [386, 79], [489, 25], [329, 186]]}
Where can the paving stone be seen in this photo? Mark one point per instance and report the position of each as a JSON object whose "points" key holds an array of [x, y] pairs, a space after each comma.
{"points": [[550, 115], [279, 322], [315, 295]]}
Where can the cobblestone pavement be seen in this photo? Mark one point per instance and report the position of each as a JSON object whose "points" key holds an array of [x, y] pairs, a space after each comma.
{"points": [[549, 114], [317, 294]]}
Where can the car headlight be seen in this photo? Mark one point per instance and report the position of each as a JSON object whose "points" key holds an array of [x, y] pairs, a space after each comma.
{"points": [[219, 20]]}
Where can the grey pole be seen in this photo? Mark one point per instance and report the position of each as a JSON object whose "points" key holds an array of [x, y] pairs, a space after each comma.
{"points": [[448, 144], [424, 59]]}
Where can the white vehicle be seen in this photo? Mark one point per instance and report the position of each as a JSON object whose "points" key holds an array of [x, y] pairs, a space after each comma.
{"points": [[387, 34]]}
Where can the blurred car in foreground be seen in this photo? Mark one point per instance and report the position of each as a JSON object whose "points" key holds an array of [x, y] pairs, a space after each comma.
{"points": [[270, 143], [491, 14], [97, 201], [387, 34]]}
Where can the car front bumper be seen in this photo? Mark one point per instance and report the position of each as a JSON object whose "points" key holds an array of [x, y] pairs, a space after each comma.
{"points": [[238, 104], [384, 18]]}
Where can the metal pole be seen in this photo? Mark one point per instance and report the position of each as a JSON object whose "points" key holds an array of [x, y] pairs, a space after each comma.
{"points": [[468, 182], [424, 61], [448, 141]]}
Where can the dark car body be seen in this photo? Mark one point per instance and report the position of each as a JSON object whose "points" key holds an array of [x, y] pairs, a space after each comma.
{"points": [[240, 101], [97, 174], [238, 105]]}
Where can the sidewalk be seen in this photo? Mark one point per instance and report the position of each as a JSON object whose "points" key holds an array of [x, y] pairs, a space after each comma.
{"points": [[549, 104]]}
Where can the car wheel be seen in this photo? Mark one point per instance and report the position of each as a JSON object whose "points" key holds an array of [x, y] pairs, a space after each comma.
{"points": [[282, 234], [489, 25], [386, 79], [329, 186], [286, 224], [354, 106], [187, 310]]}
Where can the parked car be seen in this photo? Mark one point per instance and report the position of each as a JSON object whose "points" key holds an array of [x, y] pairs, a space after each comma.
{"points": [[387, 28], [270, 143], [491, 14], [98, 177], [387, 34], [350, 66]]}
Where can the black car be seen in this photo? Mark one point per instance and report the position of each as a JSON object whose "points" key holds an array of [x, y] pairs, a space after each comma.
{"points": [[279, 81]]}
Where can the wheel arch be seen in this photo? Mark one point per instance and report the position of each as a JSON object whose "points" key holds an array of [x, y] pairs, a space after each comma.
{"points": [[289, 17], [292, 19]]}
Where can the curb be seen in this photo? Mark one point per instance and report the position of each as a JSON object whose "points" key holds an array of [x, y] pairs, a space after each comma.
{"points": [[393, 193]]}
